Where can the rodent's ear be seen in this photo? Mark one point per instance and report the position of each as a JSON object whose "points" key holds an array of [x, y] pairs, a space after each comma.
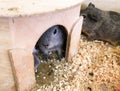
{"points": [[91, 5], [94, 17]]}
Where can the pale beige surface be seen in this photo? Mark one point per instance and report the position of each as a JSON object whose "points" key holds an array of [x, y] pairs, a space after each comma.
{"points": [[6, 75], [74, 38], [23, 68], [28, 7]]}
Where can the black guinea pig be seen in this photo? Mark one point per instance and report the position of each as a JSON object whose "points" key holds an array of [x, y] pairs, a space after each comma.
{"points": [[101, 25]]}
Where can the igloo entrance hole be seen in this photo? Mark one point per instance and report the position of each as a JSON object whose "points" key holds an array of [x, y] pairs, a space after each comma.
{"points": [[50, 45]]}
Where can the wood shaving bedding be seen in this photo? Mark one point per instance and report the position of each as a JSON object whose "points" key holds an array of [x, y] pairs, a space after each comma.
{"points": [[96, 67]]}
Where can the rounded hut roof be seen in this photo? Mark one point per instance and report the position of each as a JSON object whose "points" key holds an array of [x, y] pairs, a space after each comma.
{"points": [[29, 7]]}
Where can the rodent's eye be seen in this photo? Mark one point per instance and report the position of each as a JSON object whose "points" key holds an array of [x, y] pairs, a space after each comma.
{"points": [[84, 16], [55, 31]]}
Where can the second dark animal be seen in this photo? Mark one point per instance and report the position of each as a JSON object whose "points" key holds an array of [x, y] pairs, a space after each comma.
{"points": [[53, 40], [101, 25]]}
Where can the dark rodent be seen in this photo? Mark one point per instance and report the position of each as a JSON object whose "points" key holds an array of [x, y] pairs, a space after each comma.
{"points": [[101, 25], [53, 40], [36, 59]]}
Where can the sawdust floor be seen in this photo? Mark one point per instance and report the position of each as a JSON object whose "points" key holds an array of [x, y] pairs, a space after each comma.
{"points": [[96, 67]]}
